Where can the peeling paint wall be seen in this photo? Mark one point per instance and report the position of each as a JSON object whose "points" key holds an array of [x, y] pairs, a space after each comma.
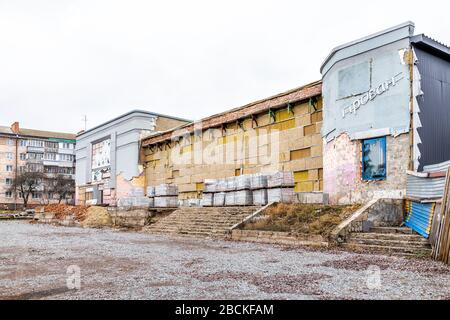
{"points": [[377, 103], [367, 94], [342, 170]]}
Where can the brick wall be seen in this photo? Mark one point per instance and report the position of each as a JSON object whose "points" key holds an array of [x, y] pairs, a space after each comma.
{"points": [[343, 171]]}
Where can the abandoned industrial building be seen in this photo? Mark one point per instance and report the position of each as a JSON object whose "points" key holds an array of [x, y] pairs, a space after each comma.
{"points": [[372, 133], [27, 150]]}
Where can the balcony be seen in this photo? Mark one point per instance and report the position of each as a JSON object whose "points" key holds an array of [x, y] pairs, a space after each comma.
{"points": [[66, 151], [35, 149], [55, 163], [65, 175]]}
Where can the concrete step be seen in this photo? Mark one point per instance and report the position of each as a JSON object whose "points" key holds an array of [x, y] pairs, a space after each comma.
{"points": [[390, 243], [389, 249], [192, 233], [391, 230], [212, 221], [390, 236], [192, 228]]}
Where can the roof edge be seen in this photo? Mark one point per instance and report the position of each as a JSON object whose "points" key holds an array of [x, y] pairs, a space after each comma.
{"points": [[130, 113], [371, 36], [430, 44], [307, 86]]}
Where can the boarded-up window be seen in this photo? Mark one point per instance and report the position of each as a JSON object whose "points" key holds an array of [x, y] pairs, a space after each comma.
{"points": [[237, 172], [300, 154], [309, 130]]}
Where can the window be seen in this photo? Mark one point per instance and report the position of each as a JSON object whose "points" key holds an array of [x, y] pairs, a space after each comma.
{"points": [[10, 142], [9, 155], [23, 143], [374, 159], [35, 143], [8, 181], [36, 196], [23, 156], [50, 156], [8, 194], [9, 168]]}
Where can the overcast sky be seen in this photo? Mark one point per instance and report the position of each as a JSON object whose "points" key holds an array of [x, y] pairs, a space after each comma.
{"points": [[61, 60]]}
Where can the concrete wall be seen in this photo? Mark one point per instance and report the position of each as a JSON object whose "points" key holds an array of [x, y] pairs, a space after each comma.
{"points": [[290, 142], [367, 94], [125, 134]]}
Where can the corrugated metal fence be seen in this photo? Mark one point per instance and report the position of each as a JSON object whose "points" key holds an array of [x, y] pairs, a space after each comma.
{"points": [[419, 217]]}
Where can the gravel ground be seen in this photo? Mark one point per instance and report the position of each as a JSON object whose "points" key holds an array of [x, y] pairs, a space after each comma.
{"points": [[34, 260]]}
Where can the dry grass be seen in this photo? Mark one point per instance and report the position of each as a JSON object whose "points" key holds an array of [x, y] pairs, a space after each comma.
{"points": [[304, 219]]}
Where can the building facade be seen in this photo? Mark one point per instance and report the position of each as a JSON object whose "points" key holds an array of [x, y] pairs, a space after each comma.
{"points": [[277, 134], [386, 106], [107, 156], [21, 150]]}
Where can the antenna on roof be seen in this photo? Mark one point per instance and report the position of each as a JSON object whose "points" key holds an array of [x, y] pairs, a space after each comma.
{"points": [[85, 122]]}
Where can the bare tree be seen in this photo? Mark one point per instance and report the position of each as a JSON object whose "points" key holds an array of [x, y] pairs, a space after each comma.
{"points": [[63, 186], [27, 183]]}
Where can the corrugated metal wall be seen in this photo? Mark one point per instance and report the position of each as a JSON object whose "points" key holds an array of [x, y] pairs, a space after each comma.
{"points": [[419, 217], [427, 188], [434, 108]]}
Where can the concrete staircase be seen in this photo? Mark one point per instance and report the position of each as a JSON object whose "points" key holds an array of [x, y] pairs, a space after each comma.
{"points": [[201, 221], [392, 240]]}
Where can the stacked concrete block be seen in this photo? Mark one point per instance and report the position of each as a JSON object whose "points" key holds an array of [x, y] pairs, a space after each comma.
{"points": [[283, 195], [259, 197], [164, 190], [230, 199], [231, 183], [210, 186], [258, 181], [207, 200], [280, 180], [221, 185], [166, 196], [243, 182], [166, 202], [243, 198], [219, 199], [150, 191]]}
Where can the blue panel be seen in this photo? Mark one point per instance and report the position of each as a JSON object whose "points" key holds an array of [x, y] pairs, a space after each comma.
{"points": [[419, 217]]}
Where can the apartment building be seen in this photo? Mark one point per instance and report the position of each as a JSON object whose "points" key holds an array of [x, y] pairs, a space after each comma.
{"points": [[51, 153]]}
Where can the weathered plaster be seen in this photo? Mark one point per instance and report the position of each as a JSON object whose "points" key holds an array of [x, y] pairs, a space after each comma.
{"points": [[342, 171]]}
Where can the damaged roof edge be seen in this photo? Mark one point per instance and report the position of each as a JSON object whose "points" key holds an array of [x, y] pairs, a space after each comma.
{"points": [[409, 24], [315, 86], [130, 113]]}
